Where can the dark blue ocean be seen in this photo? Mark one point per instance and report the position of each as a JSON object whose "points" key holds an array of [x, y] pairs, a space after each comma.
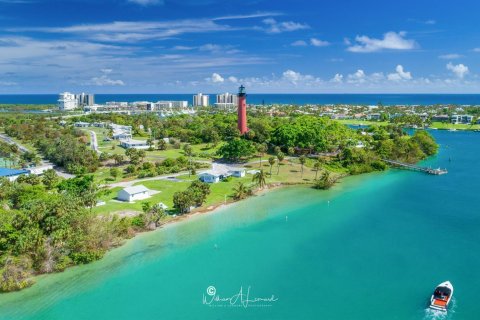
{"points": [[258, 98]]}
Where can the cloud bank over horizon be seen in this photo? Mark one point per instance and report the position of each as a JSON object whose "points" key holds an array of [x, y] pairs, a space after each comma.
{"points": [[141, 46]]}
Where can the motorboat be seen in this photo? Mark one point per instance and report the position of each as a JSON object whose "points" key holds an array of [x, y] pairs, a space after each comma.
{"points": [[442, 296]]}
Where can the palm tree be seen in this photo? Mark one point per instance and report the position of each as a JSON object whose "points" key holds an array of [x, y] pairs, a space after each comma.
{"points": [[240, 191], [280, 157], [271, 161], [260, 179], [317, 165], [302, 160], [261, 150]]}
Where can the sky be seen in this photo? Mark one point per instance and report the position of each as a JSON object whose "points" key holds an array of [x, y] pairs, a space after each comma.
{"points": [[270, 46]]}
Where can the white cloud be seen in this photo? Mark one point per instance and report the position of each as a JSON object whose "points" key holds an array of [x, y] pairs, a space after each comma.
{"points": [[338, 78], [104, 80], [430, 22], [390, 41], [273, 26], [460, 70], [146, 2], [358, 77], [216, 78], [295, 77], [299, 43], [319, 43], [232, 79], [476, 50], [450, 56], [400, 74]]}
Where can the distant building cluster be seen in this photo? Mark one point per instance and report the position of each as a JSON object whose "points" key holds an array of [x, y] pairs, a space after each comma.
{"points": [[69, 101]]}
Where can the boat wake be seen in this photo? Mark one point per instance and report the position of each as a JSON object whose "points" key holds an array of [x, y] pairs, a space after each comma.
{"points": [[431, 314]]}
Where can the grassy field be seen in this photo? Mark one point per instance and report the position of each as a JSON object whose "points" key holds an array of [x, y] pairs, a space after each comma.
{"points": [[288, 173]]}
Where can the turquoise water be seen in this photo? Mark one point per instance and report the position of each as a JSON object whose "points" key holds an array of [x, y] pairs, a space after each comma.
{"points": [[374, 247]]}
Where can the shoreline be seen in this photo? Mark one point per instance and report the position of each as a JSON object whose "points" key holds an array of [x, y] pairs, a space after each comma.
{"points": [[211, 209]]}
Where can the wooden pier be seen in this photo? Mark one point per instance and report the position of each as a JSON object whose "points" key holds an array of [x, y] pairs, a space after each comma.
{"points": [[416, 168]]}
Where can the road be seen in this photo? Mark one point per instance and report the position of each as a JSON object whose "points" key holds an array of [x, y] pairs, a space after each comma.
{"points": [[9, 140], [60, 171]]}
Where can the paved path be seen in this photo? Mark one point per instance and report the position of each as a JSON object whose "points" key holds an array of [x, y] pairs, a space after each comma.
{"points": [[9, 140]]}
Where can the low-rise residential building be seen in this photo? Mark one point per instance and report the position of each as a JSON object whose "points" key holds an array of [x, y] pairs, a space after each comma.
{"points": [[134, 193], [461, 119], [136, 144], [80, 124], [440, 118], [373, 116]]}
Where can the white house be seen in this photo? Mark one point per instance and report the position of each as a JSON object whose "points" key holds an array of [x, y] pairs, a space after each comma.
{"points": [[136, 144], [237, 172], [209, 177], [122, 136], [131, 194]]}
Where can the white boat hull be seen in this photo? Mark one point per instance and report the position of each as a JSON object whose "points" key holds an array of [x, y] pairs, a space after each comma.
{"points": [[441, 303]]}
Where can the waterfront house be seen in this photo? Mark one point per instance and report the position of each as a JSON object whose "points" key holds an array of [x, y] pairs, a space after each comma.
{"points": [[136, 144], [12, 174], [373, 116], [440, 118], [131, 194], [209, 177], [461, 119]]}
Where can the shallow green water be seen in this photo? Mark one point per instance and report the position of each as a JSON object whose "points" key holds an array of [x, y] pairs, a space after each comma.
{"points": [[372, 248]]}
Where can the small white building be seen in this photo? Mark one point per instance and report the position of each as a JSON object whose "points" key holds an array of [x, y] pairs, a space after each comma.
{"points": [[40, 169], [136, 144], [131, 194], [237, 172], [209, 177], [80, 124]]}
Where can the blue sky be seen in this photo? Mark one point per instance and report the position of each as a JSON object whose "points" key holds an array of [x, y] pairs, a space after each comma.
{"points": [[185, 46]]}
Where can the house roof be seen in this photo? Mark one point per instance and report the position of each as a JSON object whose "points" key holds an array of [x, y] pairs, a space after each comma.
{"points": [[136, 189], [209, 174], [5, 172]]}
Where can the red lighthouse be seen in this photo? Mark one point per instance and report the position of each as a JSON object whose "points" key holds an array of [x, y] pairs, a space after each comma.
{"points": [[242, 110]]}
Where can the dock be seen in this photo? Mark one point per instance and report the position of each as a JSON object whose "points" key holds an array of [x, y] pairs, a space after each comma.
{"points": [[436, 172]]}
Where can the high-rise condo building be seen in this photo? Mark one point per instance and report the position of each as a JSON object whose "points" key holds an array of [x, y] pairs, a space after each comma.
{"points": [[201, 100]]}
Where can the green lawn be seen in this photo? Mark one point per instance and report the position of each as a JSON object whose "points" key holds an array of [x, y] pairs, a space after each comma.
{"points": [[167, 188], [290, 172], [448, 126]]}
